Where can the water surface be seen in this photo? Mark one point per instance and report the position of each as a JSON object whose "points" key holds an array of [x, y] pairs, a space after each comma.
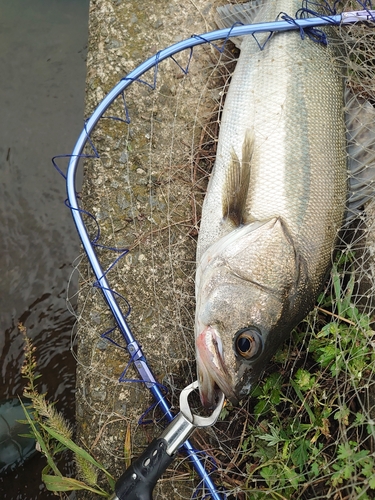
{"points": [[42, 61]]}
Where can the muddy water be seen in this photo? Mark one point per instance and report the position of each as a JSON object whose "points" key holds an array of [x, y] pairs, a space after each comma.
{"points": [[42, 61]]}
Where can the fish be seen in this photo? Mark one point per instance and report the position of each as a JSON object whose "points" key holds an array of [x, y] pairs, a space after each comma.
{"points": [[274, 205]]}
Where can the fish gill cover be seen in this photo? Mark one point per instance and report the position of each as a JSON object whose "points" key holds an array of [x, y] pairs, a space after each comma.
{"points": [[307, 429]]}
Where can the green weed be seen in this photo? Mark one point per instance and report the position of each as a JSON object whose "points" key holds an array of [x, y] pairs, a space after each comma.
{"points": [[310, 434], [54, 437]]}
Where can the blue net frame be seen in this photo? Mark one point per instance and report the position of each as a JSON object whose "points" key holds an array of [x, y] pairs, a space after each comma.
{"points": [[305, 25]]}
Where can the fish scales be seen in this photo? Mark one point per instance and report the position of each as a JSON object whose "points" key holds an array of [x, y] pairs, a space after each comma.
{"points": [[282, 132]]}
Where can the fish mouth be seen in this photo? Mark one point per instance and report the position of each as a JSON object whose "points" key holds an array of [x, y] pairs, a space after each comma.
{"points": [[213, 375]]}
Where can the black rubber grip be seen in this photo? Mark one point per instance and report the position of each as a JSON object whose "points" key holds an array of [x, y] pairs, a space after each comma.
{"points": [[138, 481]]}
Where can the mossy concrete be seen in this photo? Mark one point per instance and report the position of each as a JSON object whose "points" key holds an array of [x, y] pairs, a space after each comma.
{"points": [[145, 193]]}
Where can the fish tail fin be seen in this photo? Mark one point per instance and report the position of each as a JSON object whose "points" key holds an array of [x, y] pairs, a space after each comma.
{"points": [[360, 121]]}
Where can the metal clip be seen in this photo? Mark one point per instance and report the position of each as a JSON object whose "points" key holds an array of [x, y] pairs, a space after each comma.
{"points": [[139, 480], [183, 425], [197, 420]]}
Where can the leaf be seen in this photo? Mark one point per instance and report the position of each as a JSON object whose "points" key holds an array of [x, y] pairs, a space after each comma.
{"points": [[274, 438], [303, 401], [293, 477], [272, 383], [41, 442], [371, 482], [337, 288], [224, 413], [269, 475], [342, 415], [61, 483], [267, 472], [79, 451], [314, 469], [336, 478], [327, 355], [127, 447], [304, 380], [360, 419], [344, 452], [261, 408], [301, 454], [348, 295]]}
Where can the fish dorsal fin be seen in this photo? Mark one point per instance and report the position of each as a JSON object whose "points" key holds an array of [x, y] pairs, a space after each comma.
{"points": [[237, 183], [245, 13]]}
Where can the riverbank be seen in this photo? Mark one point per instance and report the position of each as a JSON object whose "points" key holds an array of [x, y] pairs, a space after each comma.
{"points": [[145, 191]]}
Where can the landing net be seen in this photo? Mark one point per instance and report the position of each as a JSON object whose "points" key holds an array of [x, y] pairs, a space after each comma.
{"points": [[307, 431]]}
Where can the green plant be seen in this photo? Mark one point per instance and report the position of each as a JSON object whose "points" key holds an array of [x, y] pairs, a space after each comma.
{"points": [[309, 432], [54, 436], [352, 461]]}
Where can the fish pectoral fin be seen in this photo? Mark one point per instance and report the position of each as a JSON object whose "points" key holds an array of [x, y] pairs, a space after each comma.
{"points": [[236, 187], [301, 293]]}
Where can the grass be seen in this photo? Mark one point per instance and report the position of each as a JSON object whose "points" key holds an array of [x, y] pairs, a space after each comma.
{"points": [[306, 432], [310, 432], [54, 437]]}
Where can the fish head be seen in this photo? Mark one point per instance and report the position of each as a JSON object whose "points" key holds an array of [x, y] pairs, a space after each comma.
{"points": [[251, 291]]}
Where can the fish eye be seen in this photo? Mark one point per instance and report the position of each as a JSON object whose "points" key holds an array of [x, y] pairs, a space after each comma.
{"points": [[248, 344]]}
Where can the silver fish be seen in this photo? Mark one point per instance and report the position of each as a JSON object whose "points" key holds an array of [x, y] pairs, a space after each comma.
{"points": [[274, 205]]}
